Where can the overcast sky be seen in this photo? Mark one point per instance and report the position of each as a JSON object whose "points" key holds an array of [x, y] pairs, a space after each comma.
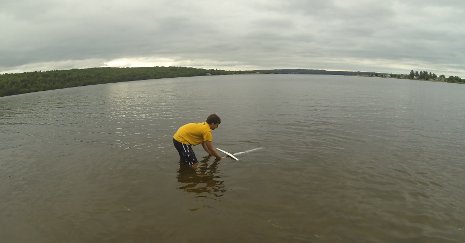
{"points": [[359, 35]]}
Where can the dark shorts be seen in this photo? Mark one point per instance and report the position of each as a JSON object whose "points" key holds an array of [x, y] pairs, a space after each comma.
{"points": [[186, 153]]}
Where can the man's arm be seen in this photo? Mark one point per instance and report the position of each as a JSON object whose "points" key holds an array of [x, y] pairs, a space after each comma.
{"points": [[206, 149], [208, 146]]}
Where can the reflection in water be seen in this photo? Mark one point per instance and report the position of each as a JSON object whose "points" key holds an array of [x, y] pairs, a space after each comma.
{"points": [[203, 181]]}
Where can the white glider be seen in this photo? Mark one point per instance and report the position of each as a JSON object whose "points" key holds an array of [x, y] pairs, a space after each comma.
{"points": [[233, 155], [228, 154]]}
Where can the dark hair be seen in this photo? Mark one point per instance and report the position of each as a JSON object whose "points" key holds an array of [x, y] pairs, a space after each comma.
{"points": [[213, 119]]}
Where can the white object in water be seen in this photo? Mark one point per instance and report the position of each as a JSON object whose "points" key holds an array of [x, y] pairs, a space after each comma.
{"points": [[247, 151], [228, 154]]}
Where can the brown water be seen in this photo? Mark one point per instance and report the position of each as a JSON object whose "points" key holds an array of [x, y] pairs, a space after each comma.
{"points": [[344, 159]]}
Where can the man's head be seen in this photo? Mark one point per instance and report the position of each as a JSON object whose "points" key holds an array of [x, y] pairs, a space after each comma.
{"points": [[213, 120]]}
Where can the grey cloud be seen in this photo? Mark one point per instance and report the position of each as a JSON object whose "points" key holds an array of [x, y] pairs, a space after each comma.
{"points": [[269, 34]]}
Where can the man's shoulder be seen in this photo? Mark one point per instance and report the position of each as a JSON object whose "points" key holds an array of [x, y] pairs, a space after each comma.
{"points": [[197, 126]]}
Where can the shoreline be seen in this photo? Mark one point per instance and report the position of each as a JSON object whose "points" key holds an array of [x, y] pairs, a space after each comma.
{"points": [[29, 82]]}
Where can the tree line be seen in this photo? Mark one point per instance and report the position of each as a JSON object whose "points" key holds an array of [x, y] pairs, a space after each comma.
{"points": [[20, 83], [425, 75]]}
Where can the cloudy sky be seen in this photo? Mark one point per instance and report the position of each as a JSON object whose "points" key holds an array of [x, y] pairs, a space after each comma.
{"points": [[359, 35]]}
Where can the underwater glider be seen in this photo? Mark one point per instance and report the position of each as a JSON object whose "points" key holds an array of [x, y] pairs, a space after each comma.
{"points": [[228, 154], [243, 152]]}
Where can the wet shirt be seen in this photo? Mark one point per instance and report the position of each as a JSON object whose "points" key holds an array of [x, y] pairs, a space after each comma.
{"points": [[194, 133]]}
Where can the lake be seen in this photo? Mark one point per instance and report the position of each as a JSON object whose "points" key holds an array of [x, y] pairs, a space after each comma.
{"points": [[342, 159]]}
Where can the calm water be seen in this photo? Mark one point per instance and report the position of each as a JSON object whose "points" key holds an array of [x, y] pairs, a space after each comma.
{"points": [[344, 159]]}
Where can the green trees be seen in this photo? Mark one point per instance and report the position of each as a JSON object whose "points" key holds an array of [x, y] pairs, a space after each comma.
{"points": [[455, 79], [19, 83], [411, 75], [424, 75]]}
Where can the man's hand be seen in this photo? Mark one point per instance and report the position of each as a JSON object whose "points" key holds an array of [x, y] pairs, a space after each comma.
{"points": [[208, 146]]}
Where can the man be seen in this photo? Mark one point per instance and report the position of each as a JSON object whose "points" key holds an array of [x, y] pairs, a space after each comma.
{"points": [[193, 134]]}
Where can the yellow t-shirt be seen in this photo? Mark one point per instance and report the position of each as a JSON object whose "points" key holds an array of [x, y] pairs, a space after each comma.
{"points": [[194, 133]]}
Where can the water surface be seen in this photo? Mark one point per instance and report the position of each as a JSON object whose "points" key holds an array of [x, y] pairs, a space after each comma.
{"points": [[344, 159]]}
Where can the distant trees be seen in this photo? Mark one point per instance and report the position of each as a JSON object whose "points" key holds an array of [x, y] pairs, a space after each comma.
{"points": [[19, 83], [424, 75], [412, 74], [455, 79]]}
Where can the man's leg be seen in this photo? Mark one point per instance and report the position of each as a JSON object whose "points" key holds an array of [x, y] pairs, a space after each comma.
{"points": [[186, 153]]}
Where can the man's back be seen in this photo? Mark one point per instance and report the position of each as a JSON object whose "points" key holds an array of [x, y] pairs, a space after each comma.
{"points": [[194, 133]]}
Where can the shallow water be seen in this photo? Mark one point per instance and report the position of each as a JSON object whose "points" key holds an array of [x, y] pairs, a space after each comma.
{"points": [[344, 159]]}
